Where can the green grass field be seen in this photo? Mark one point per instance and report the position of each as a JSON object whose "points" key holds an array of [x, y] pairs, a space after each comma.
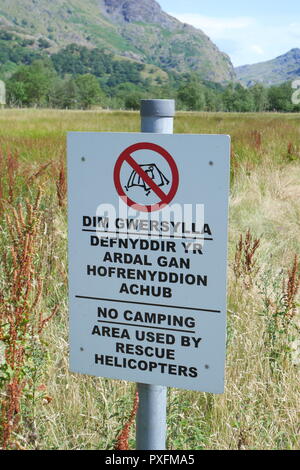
{"points": [[43, 405]]}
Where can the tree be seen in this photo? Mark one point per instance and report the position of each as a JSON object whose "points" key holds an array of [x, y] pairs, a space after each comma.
{"points": [[192, 95], [236, 98], [65, 94], [213, 100], [260, 97], [31, 85], [43, 43], [16, 93], [244, 102], [89, 91], [130, 95], [280, 98], [228, 98], [133, 100], [70, 94]]}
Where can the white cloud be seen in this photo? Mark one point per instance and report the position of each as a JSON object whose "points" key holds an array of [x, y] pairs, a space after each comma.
{"points": [[245, 39], [257, 49], [294, 28], [216, 27]]}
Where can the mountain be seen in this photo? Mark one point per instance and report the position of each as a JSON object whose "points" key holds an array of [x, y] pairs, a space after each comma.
{"points": [[138, 30], [273, 72]]}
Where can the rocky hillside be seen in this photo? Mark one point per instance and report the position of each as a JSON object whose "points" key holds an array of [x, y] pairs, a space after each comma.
{"points": [[273, 72], [136, 29]]}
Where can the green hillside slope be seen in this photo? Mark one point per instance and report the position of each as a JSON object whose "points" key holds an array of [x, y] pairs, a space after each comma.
{"points": [[273, 72], [136, 29]]}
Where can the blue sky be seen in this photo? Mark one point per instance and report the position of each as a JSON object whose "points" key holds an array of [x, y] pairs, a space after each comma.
{"points": [[249, 32]]}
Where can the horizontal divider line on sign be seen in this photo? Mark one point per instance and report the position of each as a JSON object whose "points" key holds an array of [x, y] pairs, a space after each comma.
{"points": [[146, 326], [147, 303], [158, 235]]}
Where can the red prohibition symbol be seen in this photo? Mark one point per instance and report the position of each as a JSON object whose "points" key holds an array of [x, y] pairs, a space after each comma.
{"points": [[165, 198]]}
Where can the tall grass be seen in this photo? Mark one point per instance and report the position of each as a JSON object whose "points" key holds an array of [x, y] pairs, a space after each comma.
{"points": [[55, 409]]}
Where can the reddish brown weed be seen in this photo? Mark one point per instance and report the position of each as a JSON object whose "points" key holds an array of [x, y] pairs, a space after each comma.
{"points": [[290, 289], [61, 185], [20, 317], [245, 262], [122, 440], [292, 152], [9, 165], [256, 138]]}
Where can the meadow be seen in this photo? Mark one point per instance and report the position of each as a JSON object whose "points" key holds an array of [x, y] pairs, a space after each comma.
{"points": [[43, 405]]}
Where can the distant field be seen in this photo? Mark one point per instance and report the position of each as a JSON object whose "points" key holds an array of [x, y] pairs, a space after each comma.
{"points": [[44, 406]]}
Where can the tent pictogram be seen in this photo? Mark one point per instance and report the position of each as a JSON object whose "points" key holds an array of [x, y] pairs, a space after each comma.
{"points": [[153, 172], [148, 176]]}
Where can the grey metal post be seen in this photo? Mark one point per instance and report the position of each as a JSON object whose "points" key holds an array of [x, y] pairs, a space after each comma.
{"points": [[157, 116]]}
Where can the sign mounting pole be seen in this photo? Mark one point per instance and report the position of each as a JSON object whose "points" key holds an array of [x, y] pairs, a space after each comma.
{"points": [[157, 116], [149, 307]]}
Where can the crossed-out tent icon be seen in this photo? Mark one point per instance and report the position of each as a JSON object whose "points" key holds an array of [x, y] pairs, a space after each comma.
{"points": [[153, 172]]}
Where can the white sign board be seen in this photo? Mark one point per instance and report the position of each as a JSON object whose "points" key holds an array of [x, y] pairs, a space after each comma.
{"points": [[147, 257]]}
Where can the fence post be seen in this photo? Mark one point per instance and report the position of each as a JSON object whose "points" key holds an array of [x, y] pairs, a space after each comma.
{"points": [[157, 116]]}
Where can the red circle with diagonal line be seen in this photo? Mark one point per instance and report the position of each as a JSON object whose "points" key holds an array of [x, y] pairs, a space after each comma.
{"points": [[165, 198]]}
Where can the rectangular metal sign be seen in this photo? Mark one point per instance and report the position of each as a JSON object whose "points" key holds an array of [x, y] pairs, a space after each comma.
{"points": [[147, 257]]}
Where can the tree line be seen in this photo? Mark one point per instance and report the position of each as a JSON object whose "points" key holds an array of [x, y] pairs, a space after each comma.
{"points": [[80, 78]]}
